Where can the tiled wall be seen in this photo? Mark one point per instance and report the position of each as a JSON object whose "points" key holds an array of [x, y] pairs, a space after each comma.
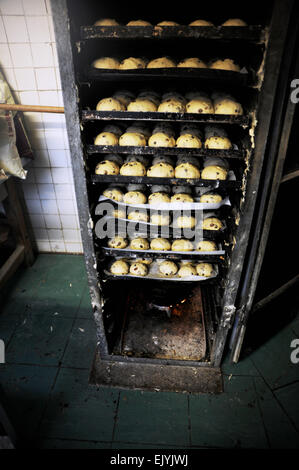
{"points": [[28, 60]]}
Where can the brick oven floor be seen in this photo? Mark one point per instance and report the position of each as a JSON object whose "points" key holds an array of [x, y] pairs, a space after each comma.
{"points": [[47, 326]]}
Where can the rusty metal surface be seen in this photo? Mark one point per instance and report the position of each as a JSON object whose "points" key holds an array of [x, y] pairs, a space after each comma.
{"points": [[151, 333], [155, 377]]}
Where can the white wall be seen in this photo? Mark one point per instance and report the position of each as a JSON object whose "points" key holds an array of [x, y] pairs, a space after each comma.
{"points": [[28, 60]]}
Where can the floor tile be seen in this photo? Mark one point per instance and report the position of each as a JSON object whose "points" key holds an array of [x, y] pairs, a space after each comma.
{"points": [[85, 309], [81, 344], [77, 410], [39, 339], [152, 418], [280, 431], [273, 361], [244, 367], [26, 389], [288, 398], [229, 420]]}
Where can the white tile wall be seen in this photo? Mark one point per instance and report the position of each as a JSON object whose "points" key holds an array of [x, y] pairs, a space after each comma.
{"points": [[28, 59]]}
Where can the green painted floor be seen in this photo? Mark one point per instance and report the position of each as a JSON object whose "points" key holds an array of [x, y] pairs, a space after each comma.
{"points": [[47, 326]]}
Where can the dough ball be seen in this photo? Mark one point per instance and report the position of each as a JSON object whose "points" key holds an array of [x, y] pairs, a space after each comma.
{"points": [[171, 105], [105, 63], [187, 170], [160, 244], [113, 193], [228, 106], [138, 23], [133, 169], [185, 221], [142, 105], [106, 22], [204, 269], [200, 105], [139, 244], [161, 170], [134, 197], [187, 270], [110, 104], [201, 23], [119, 267], [119, 214], [212, 223], [181, 197], [138, 269], [138, 216], [106, 138], [134, 139], [161, 63], [210, 198], [132, 63], [206, 245], [161, 140], [218, 143], [168, 268], [160, 219], [214, 172], [118, 242], [107, 168], [188, 141], [124, 96], [234, 22], [193, 62], [225, 64], [182, 245], [158, 198], [167, 23]]}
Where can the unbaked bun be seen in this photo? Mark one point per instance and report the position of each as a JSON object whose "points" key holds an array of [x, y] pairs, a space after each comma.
{"points": [[124, 96], [188, 141], [134, 197], [118, 242], [206, 245], [105, 63], [158, 198], [187, 270], [200, 105], [106, 22], [142, 105], [187, 170], [227, 106], [168, 268], [171, 105], [114, 193], [161, 170], [133, 169], [234, 22], [212, 223], [225, 64], [160, 244], [138, 215], [119, 214], [192, 62], [138, 269], [107, 167], [132, 63], [161, 140], [160, 219], [139, 244], [201, 23], [167, 23], [110, 104], [134, 139], [204, 269], [182, 245], [139, 23], [161, 63], [106, 138], [210, 198], [185, 221], [214, 172], [181, 197], [221, 143], [119, 267]]}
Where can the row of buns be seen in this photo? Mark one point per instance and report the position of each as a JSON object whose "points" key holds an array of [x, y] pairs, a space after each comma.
{"points": [[198, 22], [161, 244], [130, 63]]}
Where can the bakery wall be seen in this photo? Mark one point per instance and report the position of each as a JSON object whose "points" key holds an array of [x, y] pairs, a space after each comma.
{"points": [[28, 60]]}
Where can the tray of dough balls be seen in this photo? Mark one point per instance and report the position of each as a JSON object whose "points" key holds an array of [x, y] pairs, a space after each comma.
{"points": [[139, 138], [161, 269], [232, 28], [214, 69], [139, 246], [197, 106], [165, 169]]}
